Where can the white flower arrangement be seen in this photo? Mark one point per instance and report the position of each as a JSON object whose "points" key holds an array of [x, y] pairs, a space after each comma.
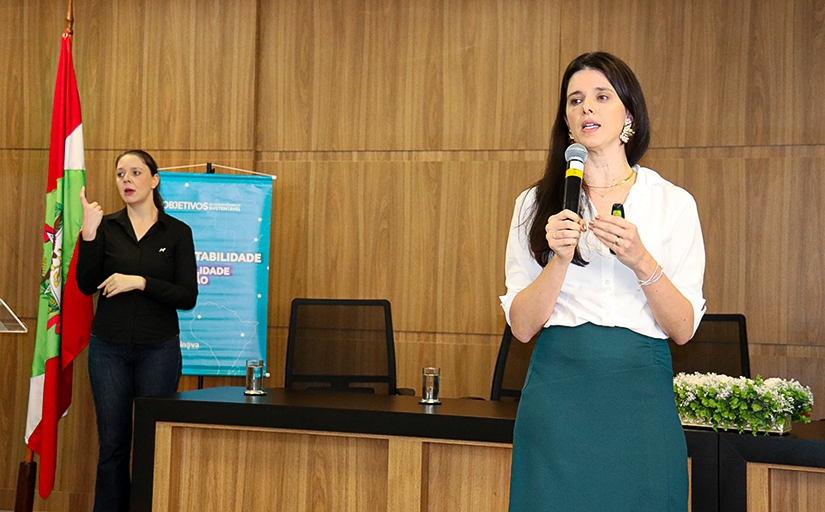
{"points": [[719, 401]]}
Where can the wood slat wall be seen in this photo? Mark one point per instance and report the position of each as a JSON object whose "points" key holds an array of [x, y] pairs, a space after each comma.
{"points": [[401, 132]]}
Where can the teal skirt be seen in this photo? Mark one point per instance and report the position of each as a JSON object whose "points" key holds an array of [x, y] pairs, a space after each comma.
{"points": [[597, 427]]}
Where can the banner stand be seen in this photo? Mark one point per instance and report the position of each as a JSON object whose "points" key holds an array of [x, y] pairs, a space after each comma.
{"points": [[230, 217]]}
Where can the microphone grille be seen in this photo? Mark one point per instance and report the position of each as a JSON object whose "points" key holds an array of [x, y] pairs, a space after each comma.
{"points": [[575, 151]]}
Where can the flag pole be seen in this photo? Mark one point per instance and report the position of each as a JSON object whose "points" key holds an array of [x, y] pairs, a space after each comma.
{"points": [[70, 19], [26, 477]]}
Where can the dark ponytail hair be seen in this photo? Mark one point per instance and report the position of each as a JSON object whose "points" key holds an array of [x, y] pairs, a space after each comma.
{"points": [[147, 159], [550, 188]]}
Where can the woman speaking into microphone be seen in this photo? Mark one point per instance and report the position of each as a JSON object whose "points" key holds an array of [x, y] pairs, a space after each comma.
{"points": [[597, 427]]}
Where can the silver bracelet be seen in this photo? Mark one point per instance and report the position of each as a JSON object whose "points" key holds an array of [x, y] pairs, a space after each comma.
{"points": [[655, 276]]}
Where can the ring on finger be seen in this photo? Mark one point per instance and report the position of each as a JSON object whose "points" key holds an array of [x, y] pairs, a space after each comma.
{"points": [[616, 243]]}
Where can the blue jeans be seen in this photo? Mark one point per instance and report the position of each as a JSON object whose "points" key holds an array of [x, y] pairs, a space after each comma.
{"points": [[118, 373]]}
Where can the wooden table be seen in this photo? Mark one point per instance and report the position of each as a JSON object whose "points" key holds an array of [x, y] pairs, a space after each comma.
{"points": [[217, 449]]}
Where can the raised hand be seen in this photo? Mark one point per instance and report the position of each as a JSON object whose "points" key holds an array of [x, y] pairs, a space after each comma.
{"points": [[92, 215]]}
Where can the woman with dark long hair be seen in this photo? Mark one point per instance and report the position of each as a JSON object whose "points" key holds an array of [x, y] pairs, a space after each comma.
{"points": [[143, 263], [597, 427]]}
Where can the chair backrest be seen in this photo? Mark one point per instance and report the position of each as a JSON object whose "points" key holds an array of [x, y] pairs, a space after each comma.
{"points": [[720, 345], [342, 345], [511, 367]]}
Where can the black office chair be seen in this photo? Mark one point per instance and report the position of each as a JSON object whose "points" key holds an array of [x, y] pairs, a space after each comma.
{"points": [[511, 367], [341, 345], [720, 345]]}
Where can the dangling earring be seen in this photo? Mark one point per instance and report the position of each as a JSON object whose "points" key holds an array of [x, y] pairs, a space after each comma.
{"points": [[627, 131]]}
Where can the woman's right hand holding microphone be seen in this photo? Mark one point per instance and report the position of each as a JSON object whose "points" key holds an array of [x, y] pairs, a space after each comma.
{"points": [[563, 231], [92, 215]]}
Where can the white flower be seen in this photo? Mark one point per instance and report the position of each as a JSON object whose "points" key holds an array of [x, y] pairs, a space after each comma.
{"points": [[727, 401]]}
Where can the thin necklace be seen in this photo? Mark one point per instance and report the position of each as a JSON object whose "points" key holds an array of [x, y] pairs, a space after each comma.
{"points": [[610, 186]]}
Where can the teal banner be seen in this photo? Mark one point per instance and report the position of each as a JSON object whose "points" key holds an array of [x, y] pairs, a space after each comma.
{"points": [[230, 220]]}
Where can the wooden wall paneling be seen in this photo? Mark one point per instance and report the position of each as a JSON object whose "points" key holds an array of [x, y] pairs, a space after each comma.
{"points": [[658, 50], [805, 302], [286, 73], [390, 46], [15, 371], [196, 75], [276, 357], [162, 484], [415, 308], [717, 100], [110, 45], [238, 158], [455, 482], [777, 488], [223, 71], [467, 282], [12, 64], [719, 187], [477, 205], [218, 470], [353, 221], [499, 73], [808, 42], [372, 80], [769, 262], [375, 85], [406, 474], [798, 489], [22, 211], [340, 69], [31, 48], [421, 115], [770, 81], [758, 486]]}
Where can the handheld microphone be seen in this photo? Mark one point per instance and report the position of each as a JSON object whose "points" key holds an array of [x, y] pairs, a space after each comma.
{"points": [[576, 155]]}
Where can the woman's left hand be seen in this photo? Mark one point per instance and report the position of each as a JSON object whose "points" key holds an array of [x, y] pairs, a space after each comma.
{"points": [[120, 283], [622, 237]]}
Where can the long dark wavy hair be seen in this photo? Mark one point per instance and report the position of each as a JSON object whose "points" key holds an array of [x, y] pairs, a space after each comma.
{"points": [[550, 188], [147, 159]]}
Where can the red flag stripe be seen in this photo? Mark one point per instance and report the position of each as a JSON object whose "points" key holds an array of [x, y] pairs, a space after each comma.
{"points": [[66, 112]]}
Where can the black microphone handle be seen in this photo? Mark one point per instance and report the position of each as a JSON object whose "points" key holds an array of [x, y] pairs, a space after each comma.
{"points": [[572, 191]]}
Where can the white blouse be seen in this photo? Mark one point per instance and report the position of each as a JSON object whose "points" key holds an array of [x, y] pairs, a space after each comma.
{"points": [[605, 292]]}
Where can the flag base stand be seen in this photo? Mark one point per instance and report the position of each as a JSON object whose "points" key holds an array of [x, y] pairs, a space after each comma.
{"points": [[26, 477]]}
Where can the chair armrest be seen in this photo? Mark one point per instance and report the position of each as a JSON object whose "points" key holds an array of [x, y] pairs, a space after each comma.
{"points": [[405, 392]]}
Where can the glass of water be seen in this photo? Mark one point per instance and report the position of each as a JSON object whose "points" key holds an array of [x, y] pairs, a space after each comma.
{"points": [[254, 377], [430, 382]]}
